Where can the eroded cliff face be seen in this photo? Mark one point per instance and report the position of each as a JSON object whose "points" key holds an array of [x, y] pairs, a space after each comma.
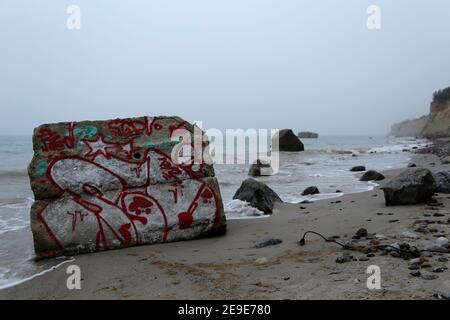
{"points": [[438, 125], [434, 125], [409, 128]]}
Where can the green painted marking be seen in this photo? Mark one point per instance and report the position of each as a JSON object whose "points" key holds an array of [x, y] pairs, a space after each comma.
{"points": [[41, 168], [86, 131], [162, 145]]}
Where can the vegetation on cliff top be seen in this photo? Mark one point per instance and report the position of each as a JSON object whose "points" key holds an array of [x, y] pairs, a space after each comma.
{"points": [[441, 96]]}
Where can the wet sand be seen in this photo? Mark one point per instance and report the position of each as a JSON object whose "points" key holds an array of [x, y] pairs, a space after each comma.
{"points": [[228, 267]]}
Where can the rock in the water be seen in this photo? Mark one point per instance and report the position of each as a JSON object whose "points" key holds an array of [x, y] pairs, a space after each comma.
{"points": [[268, 242], [258, 195], [344, 257], [411, 165], [372, 175], [103, 185], [442, 180], [358, 168], [412, 186], [260, 168], [308, 135], [310, 191], [287, 141]]}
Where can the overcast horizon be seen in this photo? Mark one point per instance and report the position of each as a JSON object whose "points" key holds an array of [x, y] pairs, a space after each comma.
{"points": [[306, 65]]}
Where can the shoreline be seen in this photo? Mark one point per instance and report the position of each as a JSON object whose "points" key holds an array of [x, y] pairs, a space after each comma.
{"points": [[228, 267]]}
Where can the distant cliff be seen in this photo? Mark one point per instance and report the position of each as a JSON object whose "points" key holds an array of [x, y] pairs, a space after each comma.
{"points": [[434, 125]]}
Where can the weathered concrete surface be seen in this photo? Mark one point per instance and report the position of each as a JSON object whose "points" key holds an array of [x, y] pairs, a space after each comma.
{"points": [[110, 184]]}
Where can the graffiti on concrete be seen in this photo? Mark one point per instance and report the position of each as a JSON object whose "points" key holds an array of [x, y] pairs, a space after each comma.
{"points": [[122, 190]]}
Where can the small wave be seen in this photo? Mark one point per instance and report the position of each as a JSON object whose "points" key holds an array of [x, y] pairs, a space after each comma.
{"points": [[13, 228], [225, 183], [238, 208], [401, 146], [342, 151], [316, 175], [11, 282], [16, 203], [13, 173]]}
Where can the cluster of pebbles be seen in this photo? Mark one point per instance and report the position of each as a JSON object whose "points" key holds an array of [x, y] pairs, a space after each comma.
{"points": [[425, 246]]}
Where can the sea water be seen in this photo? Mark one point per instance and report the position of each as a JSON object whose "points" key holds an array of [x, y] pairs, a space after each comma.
{"points": [[326, 164]]}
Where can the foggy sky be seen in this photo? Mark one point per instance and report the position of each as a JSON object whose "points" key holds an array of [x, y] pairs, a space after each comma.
{"points": [[305, 65]]}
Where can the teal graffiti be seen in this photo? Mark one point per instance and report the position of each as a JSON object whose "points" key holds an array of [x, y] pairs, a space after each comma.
{"points": [[162, 145], [41, 168], [86, 131]]}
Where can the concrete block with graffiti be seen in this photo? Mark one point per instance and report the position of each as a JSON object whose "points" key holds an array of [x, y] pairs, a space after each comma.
{"points": [[102, 185]]}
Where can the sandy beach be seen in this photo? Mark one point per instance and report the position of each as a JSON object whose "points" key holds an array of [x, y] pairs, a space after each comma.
{"points": [[229, 267]]}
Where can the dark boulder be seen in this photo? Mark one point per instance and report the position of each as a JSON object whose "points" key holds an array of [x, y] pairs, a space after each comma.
{"points": [[372, 175], [288, 141], [411, 186], [308, 135], [358, 169], [442, 180], [310, 191], [258, 195], [260, 168]]}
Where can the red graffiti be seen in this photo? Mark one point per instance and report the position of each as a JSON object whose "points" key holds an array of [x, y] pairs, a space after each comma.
{"points": [[126, 234], [207, 195], [127, 127], [132, 207], [75, 215], [98, 147], [140, 205], [53, 141], [185, 219]]}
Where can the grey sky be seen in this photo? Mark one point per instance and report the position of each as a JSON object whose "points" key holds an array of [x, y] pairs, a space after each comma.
{"points": [[307, 65]]}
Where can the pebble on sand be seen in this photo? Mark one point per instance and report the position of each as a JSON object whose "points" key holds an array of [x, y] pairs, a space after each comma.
{"points": [[344, 257], [261, 260]]}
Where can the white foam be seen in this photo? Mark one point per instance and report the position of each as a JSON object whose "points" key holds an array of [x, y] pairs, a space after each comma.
{"points": [[12, 282], [237, 209]]}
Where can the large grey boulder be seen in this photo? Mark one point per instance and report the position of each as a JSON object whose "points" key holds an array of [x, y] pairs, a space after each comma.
{"points": [[411, 186], [288, 141], [258, 195], [442, 180]]}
